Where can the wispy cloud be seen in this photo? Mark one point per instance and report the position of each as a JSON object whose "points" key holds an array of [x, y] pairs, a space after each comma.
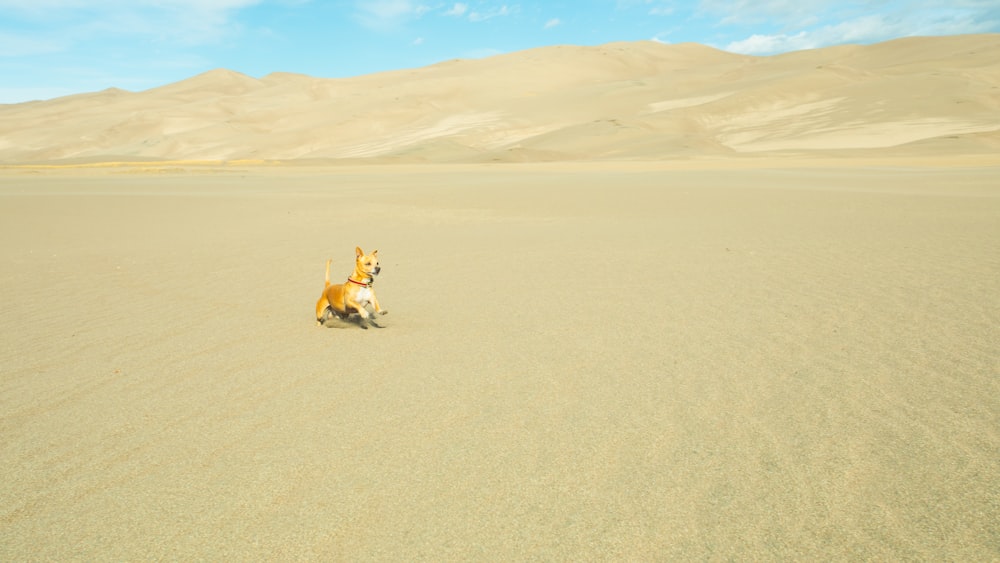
{"points": [[767, 44], [650, 7], [24, 44], [66, 22], [494, 12], [387, 15], [462, 10], [794, 13], [554, 22], [809, 24], [458, 10]]}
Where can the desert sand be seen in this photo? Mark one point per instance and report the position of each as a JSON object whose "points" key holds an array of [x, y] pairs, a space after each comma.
{"points": [[773, 354]]}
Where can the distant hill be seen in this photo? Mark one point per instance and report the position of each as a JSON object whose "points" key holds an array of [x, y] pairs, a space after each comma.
{"points": [[620, 101]]}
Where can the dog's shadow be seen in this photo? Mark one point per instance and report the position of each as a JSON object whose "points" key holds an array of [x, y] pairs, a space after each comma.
{"points": [[353, 321]]}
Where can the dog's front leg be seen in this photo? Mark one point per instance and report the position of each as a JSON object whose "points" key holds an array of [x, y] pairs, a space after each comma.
{"points": [[378, 308], [366, 317]]}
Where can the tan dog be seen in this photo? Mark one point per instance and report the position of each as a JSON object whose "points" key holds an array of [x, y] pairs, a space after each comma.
{"points": [[341, 300]]}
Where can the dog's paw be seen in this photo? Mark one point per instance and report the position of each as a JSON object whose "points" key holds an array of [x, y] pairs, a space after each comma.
{"points": [[383, 312]]}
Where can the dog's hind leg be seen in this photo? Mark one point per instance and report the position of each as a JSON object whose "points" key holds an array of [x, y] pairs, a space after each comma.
{"points": [[323, 305], [323, 310]]}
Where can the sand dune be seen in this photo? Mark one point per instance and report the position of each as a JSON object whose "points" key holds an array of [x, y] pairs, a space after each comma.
{"points": [[622, 101]]}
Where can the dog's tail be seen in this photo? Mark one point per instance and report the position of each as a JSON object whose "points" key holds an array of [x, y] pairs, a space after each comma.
{"points": [[328, 273]]}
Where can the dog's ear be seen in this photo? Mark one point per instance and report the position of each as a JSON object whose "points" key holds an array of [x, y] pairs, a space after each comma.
{"points": [[375, 253], [358, 251]]}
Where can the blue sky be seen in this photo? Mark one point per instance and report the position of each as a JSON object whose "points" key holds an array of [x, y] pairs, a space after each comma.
{"points": [[51, 48]]}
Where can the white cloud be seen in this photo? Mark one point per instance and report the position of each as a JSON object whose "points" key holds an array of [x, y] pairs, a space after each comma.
{"points": [[389, 9], [387, 15], [57, 11], [458, 10], [491, 13], [182, 21], [768, 44], [418, 41], [798, 24], [39, 8], [794, 13], [554, 22], [22, 45], [653, 7]]}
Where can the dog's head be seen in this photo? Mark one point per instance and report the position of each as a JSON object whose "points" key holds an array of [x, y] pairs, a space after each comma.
{"points": [[367, 263]]}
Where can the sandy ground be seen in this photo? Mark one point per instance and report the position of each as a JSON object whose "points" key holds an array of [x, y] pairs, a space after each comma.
{"points": [[581, 362]]}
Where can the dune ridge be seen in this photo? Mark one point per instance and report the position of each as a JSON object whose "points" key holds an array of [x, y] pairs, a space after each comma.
{"points": [[620, 101]]}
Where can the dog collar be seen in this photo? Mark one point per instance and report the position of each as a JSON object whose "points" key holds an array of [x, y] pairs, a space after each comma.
{"points": [[362, 284]]}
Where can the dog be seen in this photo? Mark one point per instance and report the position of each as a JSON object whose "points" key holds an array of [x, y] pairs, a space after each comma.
{"points": [[344, 299]]}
